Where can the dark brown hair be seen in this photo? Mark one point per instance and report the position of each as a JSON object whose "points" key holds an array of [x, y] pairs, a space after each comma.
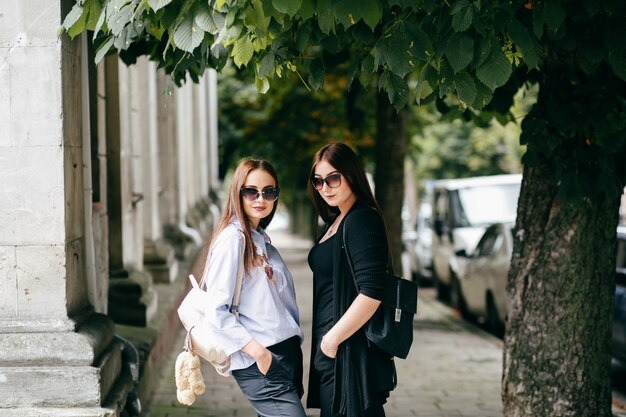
{"points": [[345, 161], [234, 208]]}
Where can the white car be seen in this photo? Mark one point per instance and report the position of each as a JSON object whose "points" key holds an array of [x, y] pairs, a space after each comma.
{"points": [[462, 210], [417, 244], [481, 289]]}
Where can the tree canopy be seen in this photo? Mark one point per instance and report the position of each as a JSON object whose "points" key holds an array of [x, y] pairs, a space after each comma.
{"points": [[416, 51]]}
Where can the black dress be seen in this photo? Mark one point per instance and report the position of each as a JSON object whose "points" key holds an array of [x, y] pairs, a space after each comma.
{"points": [[321, 263], [362, 374]]}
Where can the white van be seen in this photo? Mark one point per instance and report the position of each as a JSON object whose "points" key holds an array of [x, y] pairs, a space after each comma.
{"points": [[461, 211]]}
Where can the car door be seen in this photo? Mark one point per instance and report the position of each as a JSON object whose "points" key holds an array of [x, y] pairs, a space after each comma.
{"points": [[479, 272], [441, 245], [499, 268]]}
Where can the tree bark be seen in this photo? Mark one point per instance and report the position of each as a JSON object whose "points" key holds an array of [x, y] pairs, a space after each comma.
{"points": [[389, 175], [557, 351]]}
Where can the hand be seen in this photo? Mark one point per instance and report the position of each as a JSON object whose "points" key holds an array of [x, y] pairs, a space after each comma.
{"points": [[264, 361], [261, 355], [328, 349]]}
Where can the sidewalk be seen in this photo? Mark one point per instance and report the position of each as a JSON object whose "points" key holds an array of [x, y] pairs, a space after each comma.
{"points": [[453, 369]]}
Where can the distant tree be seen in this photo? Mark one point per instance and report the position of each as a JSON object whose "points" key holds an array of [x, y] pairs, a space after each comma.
{"points": [[451, 147], [288, 124]]}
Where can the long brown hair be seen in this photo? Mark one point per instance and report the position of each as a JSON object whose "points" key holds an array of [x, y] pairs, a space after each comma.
{"points": [[234, 209], [345, 161]]}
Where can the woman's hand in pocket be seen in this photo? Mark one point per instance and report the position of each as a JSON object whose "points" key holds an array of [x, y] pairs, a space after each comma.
{"points": [[328, 348], [264, 361], [261, 355]]}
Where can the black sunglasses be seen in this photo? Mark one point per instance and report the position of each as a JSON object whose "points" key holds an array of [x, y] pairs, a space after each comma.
{"points": [[252, 194], [333, 181]]}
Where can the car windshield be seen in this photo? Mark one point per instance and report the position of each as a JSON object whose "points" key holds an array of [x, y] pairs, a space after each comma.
{"points": [[487, 204]]}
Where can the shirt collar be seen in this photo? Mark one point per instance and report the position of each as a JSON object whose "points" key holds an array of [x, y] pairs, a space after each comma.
{"points": [[260, 232]]}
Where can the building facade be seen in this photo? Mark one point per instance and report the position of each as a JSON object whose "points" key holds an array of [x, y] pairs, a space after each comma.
{"points": [[105, 181]]}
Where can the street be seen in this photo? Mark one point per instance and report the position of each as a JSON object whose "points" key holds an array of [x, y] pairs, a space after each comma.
{"points": [[454, 368]]}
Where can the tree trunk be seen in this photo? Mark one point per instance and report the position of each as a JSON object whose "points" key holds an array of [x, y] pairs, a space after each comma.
{"points": [[389, 175], [557, 351]]}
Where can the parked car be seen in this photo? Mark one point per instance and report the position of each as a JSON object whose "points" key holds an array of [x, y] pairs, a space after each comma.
{"points": [[417, 244], [480, 290], [462, 210], [619, 316]]}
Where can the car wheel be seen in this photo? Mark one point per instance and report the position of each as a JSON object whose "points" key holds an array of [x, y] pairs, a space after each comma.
{"points": [[494, 324]]}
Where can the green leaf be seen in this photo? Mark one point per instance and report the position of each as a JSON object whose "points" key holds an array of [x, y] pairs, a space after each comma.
{"points": [[158, 4], [462, 20], [303, 35], [459, 51], [267, 65], [262, 85], [99, 23], [73, 16], [371, 12], [326, 21], [103, 49], [95, 13], [306, 10], [316, 74], [538, 22], [242, 51], [397, 89], [522, 40], [209, 20], [119, 19], [483, 96], [594, 49], [422, 91], [289, 7], [367, 70], [495, 70], [257, 21], [618, 63], [465, 88], [188, 35], [446, 78], [392, 51], [420, 45], [553, 14], [80, 25]]}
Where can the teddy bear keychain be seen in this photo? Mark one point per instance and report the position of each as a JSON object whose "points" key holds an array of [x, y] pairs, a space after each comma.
{"points": [[189, 380]]}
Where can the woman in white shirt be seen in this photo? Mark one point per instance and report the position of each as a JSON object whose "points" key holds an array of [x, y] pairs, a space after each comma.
{"points": [[265, 343]]}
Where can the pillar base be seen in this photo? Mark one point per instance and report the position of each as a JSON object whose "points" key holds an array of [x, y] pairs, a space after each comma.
{"points": [[40, 372], [132, 299], [160, 261], [184, 246]]}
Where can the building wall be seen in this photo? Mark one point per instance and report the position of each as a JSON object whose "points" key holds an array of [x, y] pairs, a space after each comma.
{"points": [[90, 185]]}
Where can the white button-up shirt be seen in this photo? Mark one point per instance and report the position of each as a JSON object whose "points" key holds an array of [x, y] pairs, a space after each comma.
{"points": [[268, 312]]}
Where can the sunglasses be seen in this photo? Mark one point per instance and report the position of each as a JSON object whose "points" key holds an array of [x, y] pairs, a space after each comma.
{"points": [[333, 181], [252, 194]]}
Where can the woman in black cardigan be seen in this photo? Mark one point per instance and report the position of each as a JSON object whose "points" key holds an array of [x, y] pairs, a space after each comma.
{"points": [[349, 377]]}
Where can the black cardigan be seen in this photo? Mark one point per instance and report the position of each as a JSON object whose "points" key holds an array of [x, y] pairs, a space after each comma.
{"points": [[364, 374]]}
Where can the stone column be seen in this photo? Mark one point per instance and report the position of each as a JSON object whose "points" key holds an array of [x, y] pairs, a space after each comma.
{"points": [[159, 256], [213, 152], [212, 155], [55, 352], [132, 299]]}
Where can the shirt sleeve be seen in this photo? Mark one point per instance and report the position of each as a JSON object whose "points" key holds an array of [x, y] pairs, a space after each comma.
{"points": [[221, 279], [367, 245]]}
